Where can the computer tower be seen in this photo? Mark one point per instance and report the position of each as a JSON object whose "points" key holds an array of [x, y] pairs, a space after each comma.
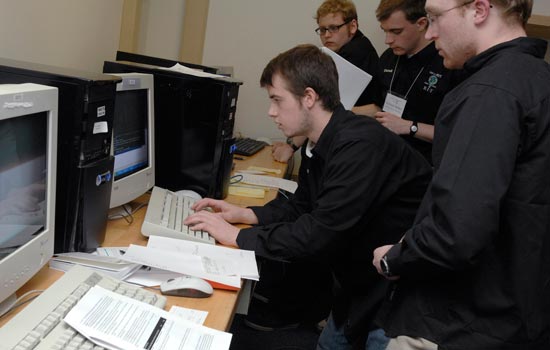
{"points": [[194, 120], [84, 163]]}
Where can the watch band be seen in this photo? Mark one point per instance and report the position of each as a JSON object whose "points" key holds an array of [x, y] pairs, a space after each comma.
{"points": [[414, 128], [385, 266], [291, 144]]}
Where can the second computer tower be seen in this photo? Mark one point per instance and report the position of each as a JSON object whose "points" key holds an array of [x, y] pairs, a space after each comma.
{"points": [[194, 120]]}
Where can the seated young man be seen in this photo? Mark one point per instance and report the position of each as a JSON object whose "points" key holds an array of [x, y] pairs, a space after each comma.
{"points": [[359, 188]]}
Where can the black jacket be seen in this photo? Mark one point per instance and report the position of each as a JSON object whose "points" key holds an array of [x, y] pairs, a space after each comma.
{"points": [[360, 189], [475, 267], [361, 53]]}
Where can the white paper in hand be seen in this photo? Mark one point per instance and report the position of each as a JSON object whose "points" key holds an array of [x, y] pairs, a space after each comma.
{"points": [[352, 80]]}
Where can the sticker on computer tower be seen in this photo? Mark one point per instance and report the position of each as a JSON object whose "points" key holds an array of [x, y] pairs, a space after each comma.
{"points": [[101, 111], [100, 128]]}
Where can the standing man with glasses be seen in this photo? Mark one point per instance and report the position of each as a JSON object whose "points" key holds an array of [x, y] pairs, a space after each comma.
{"points": [[338, 29], [412, 74], [473, 272]]}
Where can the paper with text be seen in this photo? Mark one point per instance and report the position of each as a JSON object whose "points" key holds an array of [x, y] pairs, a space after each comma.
{"points": [[191, 315], [186, 264], [118, 322], [243, 260]]}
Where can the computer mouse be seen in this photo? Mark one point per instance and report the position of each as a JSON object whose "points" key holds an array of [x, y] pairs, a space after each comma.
{"points": [[187, 286], [189, 193]]}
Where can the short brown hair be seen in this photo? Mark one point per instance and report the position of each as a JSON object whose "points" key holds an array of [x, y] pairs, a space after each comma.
{"points": [[306, 66], [520, 9], [345, 7], [413, 9]]}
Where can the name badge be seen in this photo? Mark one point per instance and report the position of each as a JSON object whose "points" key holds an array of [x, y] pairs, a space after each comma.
{"points": [[394, 105]]}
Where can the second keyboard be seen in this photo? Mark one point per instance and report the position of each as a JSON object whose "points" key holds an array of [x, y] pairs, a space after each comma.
{"points": [[165, 215]]}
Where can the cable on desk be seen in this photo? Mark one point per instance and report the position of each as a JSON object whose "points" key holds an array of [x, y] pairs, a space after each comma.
{"points": [[18, 302], [235, 179], [129, 216], [281, 192]]}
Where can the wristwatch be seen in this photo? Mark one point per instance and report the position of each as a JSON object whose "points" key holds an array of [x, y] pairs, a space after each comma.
{"points": [[291, 144], [385, 267], [414, 128]]}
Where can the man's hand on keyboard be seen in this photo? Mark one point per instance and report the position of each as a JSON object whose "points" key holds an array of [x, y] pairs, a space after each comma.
{"points": [[229, 212], [215, 225]]}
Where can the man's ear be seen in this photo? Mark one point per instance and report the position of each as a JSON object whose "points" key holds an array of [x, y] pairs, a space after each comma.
{"points": [[309, 98], [353, 26], [422, 24], [482, 10]]}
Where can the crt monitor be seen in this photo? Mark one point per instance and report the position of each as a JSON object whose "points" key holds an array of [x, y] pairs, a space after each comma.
{"points": [[133, 138], [28, 144]]}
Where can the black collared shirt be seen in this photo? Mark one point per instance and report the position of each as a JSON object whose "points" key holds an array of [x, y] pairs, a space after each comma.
{"points": [[359, 190], [428, 81]]}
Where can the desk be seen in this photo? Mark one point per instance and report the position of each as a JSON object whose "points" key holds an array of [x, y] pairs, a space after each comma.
{"points": [[221, 305]]}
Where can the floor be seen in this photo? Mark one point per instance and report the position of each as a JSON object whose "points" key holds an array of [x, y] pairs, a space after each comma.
{"points": [[246, 338]]}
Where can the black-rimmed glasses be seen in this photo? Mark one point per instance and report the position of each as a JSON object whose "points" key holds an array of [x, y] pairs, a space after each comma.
{"points": [[331, 29], [433, 16]]}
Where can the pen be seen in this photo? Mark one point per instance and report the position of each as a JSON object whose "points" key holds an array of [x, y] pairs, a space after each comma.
{"points": [[238, 158]]}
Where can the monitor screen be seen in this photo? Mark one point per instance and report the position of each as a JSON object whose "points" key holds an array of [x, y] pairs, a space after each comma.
{"points": [[23, 170], [130, 133], [28, 144], [133, 138]]}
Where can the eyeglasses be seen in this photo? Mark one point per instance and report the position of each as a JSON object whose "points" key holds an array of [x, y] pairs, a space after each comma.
{"points": [[331, 29], [434, 16]]}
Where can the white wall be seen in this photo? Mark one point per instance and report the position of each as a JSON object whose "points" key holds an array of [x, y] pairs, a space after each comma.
{"points": [[541, 7], [246, 34], [161, 27], [78, 34]]}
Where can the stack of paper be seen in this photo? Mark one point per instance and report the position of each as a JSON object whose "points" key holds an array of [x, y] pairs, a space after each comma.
{"points": [[222, 267], [112, 266], [114, 321]]}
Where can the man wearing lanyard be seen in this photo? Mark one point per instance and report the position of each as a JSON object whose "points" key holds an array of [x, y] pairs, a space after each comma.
{"points": [[412, 74]]}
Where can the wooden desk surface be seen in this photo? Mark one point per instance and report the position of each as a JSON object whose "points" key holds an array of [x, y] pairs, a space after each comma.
{"points": [[221, 305]]}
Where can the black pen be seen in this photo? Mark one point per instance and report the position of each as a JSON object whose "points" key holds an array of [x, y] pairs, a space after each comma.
{"points": [[238, 158]]}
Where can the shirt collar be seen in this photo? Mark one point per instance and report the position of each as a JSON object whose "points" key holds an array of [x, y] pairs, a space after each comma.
{"points": [[531, 46], [321, 148]]}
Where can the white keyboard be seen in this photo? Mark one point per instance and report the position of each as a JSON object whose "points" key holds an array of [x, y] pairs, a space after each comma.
{"points": [[166, 212], [40, 325]]}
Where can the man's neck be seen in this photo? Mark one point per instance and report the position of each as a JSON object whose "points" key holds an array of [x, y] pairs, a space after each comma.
{"points": [[499, 35], [319, 123]]}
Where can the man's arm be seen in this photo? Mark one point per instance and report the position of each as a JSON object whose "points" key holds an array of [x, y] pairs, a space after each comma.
{"points": [[402, 126], [460, 214], [367, 110], [283, 151], [356, 173]]}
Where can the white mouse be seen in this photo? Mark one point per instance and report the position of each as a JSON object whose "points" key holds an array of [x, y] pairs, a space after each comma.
{"points": [[189, 193], [187, 286]]}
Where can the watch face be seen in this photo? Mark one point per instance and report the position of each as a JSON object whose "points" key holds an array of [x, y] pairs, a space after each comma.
{"points": [[414, 128]]}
